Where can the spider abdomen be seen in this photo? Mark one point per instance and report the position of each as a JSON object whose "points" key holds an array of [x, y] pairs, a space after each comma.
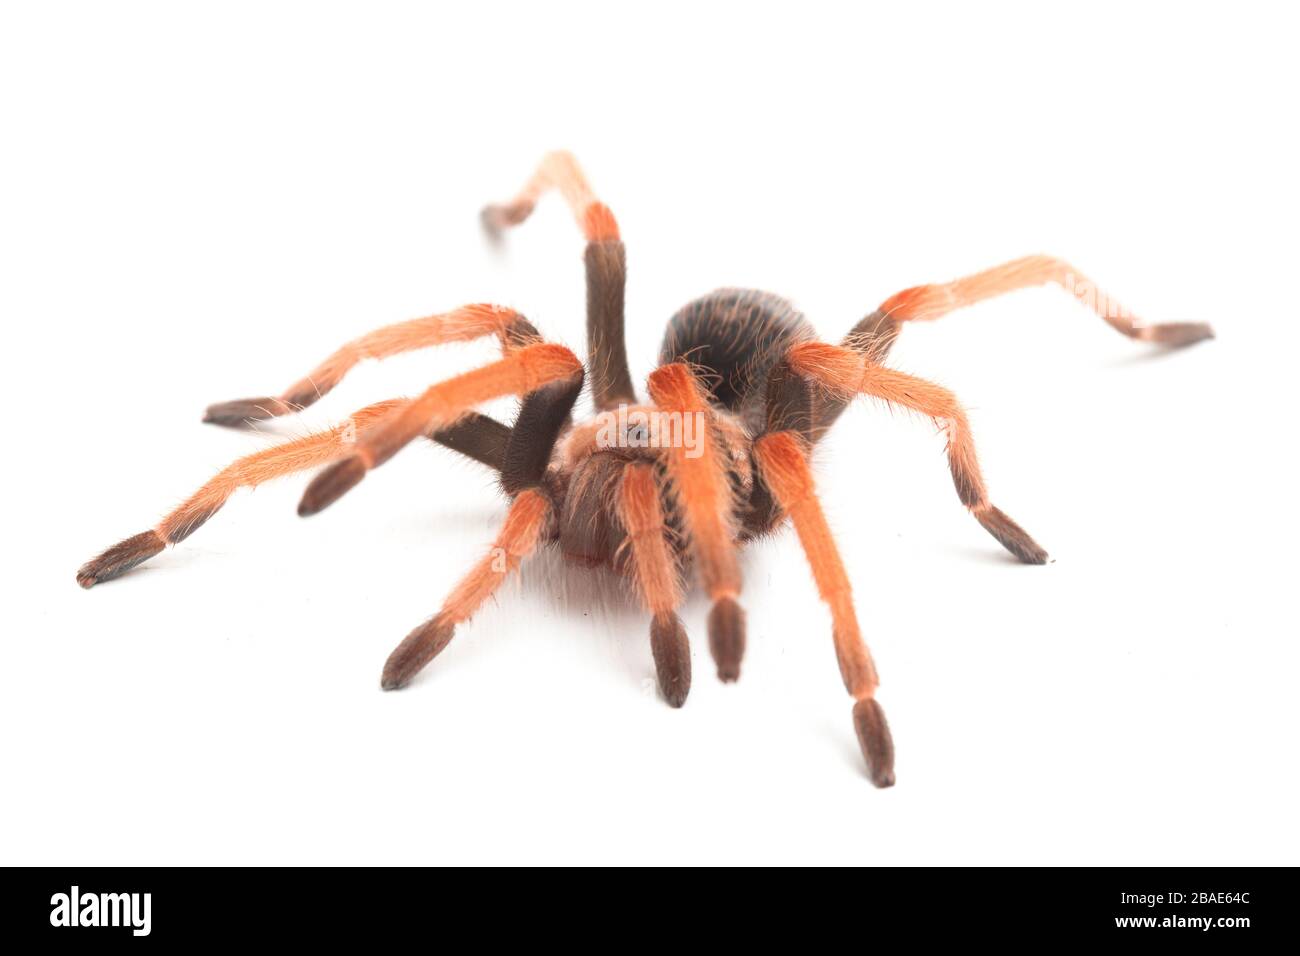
{"points": [[734, 337]]}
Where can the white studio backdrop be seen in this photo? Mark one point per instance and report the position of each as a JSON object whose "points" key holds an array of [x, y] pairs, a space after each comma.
{"points": [[200, 203]]}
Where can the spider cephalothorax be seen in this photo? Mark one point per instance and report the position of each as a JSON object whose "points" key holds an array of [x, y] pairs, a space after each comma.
{"points": [[656, 490]]}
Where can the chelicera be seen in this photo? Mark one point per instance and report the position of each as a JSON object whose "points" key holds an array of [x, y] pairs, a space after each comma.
{"points": [[661, 490]]}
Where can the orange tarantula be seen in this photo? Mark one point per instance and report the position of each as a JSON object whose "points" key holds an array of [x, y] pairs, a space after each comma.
{"points": [[635, 488]]}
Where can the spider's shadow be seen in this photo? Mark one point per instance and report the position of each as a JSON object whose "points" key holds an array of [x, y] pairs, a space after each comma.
{"points": [[992, 554], [547, 582], [1149, 356], [572, 591]]}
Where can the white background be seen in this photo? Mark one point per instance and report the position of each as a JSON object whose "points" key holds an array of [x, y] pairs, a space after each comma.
{"points": [[200, 204]]}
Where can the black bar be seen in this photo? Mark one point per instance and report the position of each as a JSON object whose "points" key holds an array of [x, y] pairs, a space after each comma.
{"points": [[1224, 908]]}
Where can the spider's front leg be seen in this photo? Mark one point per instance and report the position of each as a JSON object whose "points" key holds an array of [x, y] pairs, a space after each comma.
{"points": [[520, 535], [642, 517], [543, 416], [700, 487]]}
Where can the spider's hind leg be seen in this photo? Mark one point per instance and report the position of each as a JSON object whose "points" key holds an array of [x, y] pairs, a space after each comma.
{"points": [[855, 368], [928, 302], [875, 335]]}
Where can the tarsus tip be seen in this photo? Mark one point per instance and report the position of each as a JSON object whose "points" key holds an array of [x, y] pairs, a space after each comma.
{"points": [[875, 741], [418, 648], [490, 217], [1010, 535], [727, 637], [1177, 334], [672, 655], [120, 558], [331, 485], [242, 410]]}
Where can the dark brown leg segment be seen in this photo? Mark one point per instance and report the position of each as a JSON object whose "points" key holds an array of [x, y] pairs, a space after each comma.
{"points": [[611, 383], [476, 436], [672, 654], [542, 416]]}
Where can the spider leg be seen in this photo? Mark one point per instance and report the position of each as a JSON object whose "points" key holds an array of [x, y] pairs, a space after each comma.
{"points": [[789, 406], [520, 372], [543, 414], [875, 335], [246, 472], [782, 458], [703, 493], [476, 436], [460, 325], [846, 372], [642, 516], [524, 462], [520, 535], [926, 302], [606, 267]]}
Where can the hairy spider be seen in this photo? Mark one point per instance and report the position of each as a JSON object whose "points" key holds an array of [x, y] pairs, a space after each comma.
{"points": [[637, 488]]}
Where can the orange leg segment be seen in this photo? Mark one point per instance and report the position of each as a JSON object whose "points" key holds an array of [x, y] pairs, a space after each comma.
{"points": [[518, 373], [559, 171], [848, 372], [519, 537], [459, 325], [934, 301], [247, 472], [704, 496], [784, 465], [656, 575]]}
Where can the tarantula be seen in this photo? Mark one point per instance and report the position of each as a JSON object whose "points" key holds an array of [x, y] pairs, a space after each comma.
{"points": [[633, 488]]}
